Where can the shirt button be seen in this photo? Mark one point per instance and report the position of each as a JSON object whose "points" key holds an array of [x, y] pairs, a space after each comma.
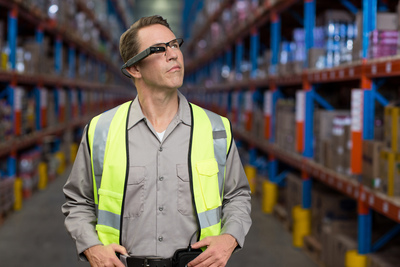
{"points": [[160, 208], [161, 178], [160, 239], [160, 149]]}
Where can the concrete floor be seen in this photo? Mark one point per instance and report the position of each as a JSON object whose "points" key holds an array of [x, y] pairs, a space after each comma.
{"points": [[36, 237]]}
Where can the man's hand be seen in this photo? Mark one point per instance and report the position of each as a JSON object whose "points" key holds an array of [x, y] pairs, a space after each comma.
{"points": [[219, 250], [104, 256]]}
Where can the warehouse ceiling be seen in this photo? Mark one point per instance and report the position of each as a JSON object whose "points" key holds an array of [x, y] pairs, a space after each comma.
{"points": [[171, 10]]}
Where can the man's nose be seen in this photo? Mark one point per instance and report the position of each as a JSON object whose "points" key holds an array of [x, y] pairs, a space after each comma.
{"points": [[171, 53]]}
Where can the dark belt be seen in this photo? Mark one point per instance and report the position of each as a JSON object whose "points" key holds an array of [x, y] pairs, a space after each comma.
{"points": [[148, 262]]}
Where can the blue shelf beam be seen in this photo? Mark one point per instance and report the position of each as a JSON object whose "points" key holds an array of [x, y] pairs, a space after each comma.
{"points": [[58, 60], [369, 23], [297, 17], [254, 51], [275, 42], [386, 238], [239, 57], [309, 25], [308, 124], [364, 233], [306, 196], [320, 100], [72, 62], [350, 6], [12, 36], [38, 112]]}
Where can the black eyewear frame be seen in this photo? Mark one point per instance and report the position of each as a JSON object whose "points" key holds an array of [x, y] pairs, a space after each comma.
{"points": [[145, 53]]}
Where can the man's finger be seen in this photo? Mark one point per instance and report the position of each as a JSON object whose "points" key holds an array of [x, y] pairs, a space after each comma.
{"points": [[119, 249], [202, 243], [199, 259], [117, 262]]}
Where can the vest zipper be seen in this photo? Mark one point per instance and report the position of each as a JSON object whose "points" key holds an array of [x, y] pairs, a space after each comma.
{"points": [[190, 172], [126, 173]]}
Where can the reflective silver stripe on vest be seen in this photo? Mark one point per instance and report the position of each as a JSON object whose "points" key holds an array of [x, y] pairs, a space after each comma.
{"points": [[220, 146], [109, 219], [99, 143], [210, 217]]}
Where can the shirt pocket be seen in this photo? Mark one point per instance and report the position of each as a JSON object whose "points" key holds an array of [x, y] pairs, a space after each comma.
{"points": [[135, 191], [207, 171], [184, 195]]}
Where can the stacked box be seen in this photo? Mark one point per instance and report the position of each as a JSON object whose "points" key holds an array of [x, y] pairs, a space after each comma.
{"points": [[370, 162], [32, 57], [6, 195], [294, 188], [28, 171], [51, 109], [6, 122], [316, 58], [337, 238], [387, 258], [340, 145], [258, 124], [323, 125], [342, 244], [285, 127], [328, 206]]}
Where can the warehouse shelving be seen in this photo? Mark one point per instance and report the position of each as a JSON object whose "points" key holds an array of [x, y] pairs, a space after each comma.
{"points": [[365, 71], [388, 206], [84, 80]]}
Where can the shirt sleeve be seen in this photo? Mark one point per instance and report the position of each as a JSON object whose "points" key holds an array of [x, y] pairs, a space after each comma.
{"points": [[79, 208], [236, 206]]}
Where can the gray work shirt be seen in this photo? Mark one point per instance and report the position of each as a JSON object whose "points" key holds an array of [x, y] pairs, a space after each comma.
{"points": [[158, 216]]}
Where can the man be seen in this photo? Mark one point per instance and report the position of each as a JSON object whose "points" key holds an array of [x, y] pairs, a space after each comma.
{"points": [[146, 182]]}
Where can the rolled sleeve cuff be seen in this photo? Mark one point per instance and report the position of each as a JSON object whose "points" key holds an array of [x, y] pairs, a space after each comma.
{"points": [[84, 242], [236, 230]]}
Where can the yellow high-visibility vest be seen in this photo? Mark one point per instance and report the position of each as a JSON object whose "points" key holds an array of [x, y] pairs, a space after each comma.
{"points": [[210, 142]]}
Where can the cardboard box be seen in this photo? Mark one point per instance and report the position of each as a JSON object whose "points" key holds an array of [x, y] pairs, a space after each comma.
{"points": [[387, 258], [370, 161], [314, 55], [294, 188], [333, 15], [342, 244], [386, 21], [327, 246], [328, 206], [323, 125], [337, 237]]}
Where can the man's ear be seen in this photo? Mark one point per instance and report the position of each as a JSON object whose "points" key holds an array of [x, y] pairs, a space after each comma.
{"points": [[134, 71]]}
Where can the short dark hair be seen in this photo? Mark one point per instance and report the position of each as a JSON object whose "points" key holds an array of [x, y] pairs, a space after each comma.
{"points": [[129, 41]]}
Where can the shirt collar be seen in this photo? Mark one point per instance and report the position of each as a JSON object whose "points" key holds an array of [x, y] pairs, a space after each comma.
{"points": [[184, 113]]}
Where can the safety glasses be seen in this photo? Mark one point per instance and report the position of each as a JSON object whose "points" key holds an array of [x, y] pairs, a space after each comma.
{"points": [[157, 48]]}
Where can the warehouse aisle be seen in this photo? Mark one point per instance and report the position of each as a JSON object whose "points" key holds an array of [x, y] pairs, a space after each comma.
{"points": [[35, 237]]}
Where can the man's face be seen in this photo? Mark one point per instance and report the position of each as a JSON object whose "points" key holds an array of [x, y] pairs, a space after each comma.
{"points": [[163, 70]]}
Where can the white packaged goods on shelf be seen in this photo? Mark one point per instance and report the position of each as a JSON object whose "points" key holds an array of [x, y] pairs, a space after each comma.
{"points": [[357, 109], [300, 106], [268, 103]]}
